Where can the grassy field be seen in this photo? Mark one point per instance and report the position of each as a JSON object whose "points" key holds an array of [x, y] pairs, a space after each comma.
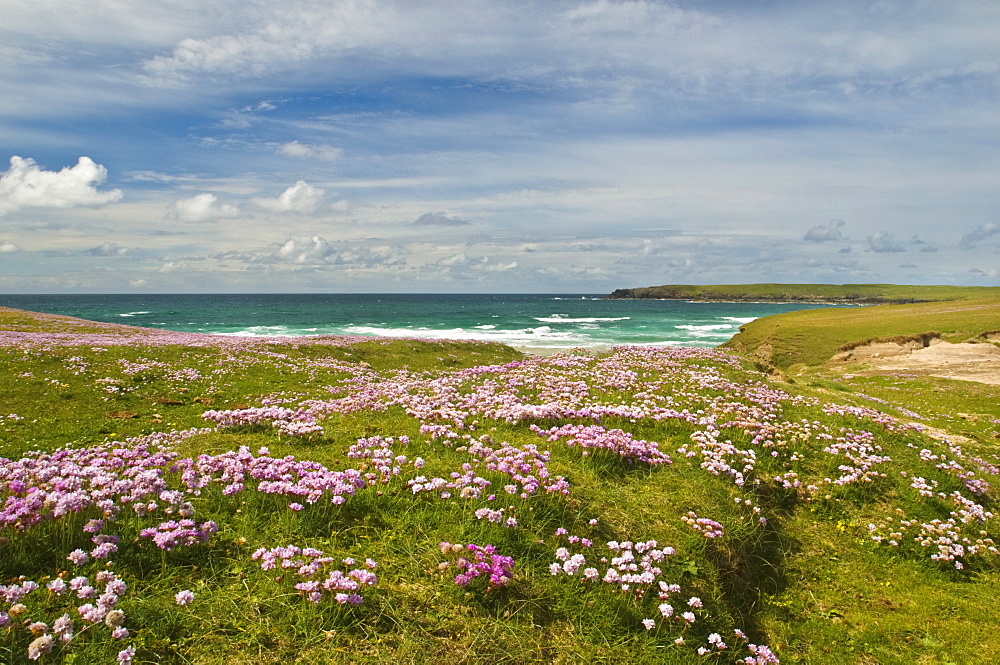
{"points": [[813, 336], [181, 499], [859, 293]]}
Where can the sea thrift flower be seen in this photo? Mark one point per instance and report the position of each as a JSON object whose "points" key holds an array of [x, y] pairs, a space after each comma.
{"points": [[78, 557], [39, 647], [184, 597]]}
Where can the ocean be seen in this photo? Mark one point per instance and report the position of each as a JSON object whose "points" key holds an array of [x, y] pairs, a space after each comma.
{"points": [[534, 320]]}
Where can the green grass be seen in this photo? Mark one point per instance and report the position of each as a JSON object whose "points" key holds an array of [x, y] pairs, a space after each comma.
{"points": [[813, 336], [867, 293], [811, 582], [37, 322]]}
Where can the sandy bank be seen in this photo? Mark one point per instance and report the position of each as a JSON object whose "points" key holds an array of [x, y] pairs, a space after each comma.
{"points": [[964, 361]]}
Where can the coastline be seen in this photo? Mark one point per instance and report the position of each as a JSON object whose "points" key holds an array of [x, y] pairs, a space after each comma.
{"points": [[822, 294], [764, 301]]}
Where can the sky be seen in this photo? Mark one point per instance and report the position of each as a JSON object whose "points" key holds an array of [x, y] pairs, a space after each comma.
{"points": [[487, 146]]}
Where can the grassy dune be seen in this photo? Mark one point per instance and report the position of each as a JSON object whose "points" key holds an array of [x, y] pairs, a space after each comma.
{"points": [[642, 506], [813, 336], [847, 293]]}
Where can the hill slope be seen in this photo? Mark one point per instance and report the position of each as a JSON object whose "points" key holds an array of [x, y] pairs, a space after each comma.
{"points": [[813, 336]]}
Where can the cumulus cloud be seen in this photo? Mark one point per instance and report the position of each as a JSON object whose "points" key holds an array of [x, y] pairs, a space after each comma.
{"points": [[305, 250], [201, 208], [459, 260], [439, 219], [300, 197], [173, 266], [26, 185], [981, 233], [314, 251], [823, 233], [924, 246], [7, 246], [306, 151], [108, 249], [883, 241]]}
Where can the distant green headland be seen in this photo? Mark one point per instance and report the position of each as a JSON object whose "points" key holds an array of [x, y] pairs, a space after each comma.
{"points": [[858, 294]]}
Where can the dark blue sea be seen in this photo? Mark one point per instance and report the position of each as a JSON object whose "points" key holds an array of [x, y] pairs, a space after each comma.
{"points": [[535, 320]]}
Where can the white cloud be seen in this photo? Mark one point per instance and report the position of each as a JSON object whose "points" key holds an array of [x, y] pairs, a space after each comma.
{"points": [[282, 36], [25, 185], [305, 151], [883, 241], [981, 233], [300, 197], [7, 246], [201, 208], [108, 249], [305, 250], [173, 266], [459, 260], [439, 219], [824, 233]]}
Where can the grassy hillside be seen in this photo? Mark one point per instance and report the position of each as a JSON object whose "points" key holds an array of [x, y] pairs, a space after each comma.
{"points": [[847, 293], [813, 336], [213, 500]]}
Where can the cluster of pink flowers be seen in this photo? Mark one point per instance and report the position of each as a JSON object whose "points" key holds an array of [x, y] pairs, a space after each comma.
{"points": [[616, 441], [104, 593], [706, 527], [473, 561], [961, 538], [171, 534], [862, 412], [527, 466], [316, 573], [293, 422], [287, 476], [383, 460]]}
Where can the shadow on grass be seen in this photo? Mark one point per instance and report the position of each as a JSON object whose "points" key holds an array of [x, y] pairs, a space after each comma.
{"points": [[750, 571]]}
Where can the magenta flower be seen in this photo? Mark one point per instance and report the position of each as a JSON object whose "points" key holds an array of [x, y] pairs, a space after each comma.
{"points": [[184, 597]]}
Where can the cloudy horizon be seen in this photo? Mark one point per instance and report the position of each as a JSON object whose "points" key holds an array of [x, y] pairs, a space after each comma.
{"points": [[486, 146]]}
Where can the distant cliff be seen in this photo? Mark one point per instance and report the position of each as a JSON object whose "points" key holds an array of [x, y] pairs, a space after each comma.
{"points": [[840, 294]]}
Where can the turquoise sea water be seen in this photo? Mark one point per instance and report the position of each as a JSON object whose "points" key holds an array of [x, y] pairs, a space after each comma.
{"points": [[536, 320]]}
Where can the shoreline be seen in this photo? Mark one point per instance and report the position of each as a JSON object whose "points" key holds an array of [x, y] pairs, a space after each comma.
{"points": [[731, 301]]}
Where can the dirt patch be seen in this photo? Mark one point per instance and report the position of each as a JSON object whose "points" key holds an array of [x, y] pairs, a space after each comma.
{"points": [[965, 362], [875, 350]]}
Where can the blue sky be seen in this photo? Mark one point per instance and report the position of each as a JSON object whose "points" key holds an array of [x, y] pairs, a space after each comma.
{"points": [[485, 146]]}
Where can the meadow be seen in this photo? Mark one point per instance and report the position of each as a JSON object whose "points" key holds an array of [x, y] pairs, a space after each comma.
{"points": [[178, 498]]}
